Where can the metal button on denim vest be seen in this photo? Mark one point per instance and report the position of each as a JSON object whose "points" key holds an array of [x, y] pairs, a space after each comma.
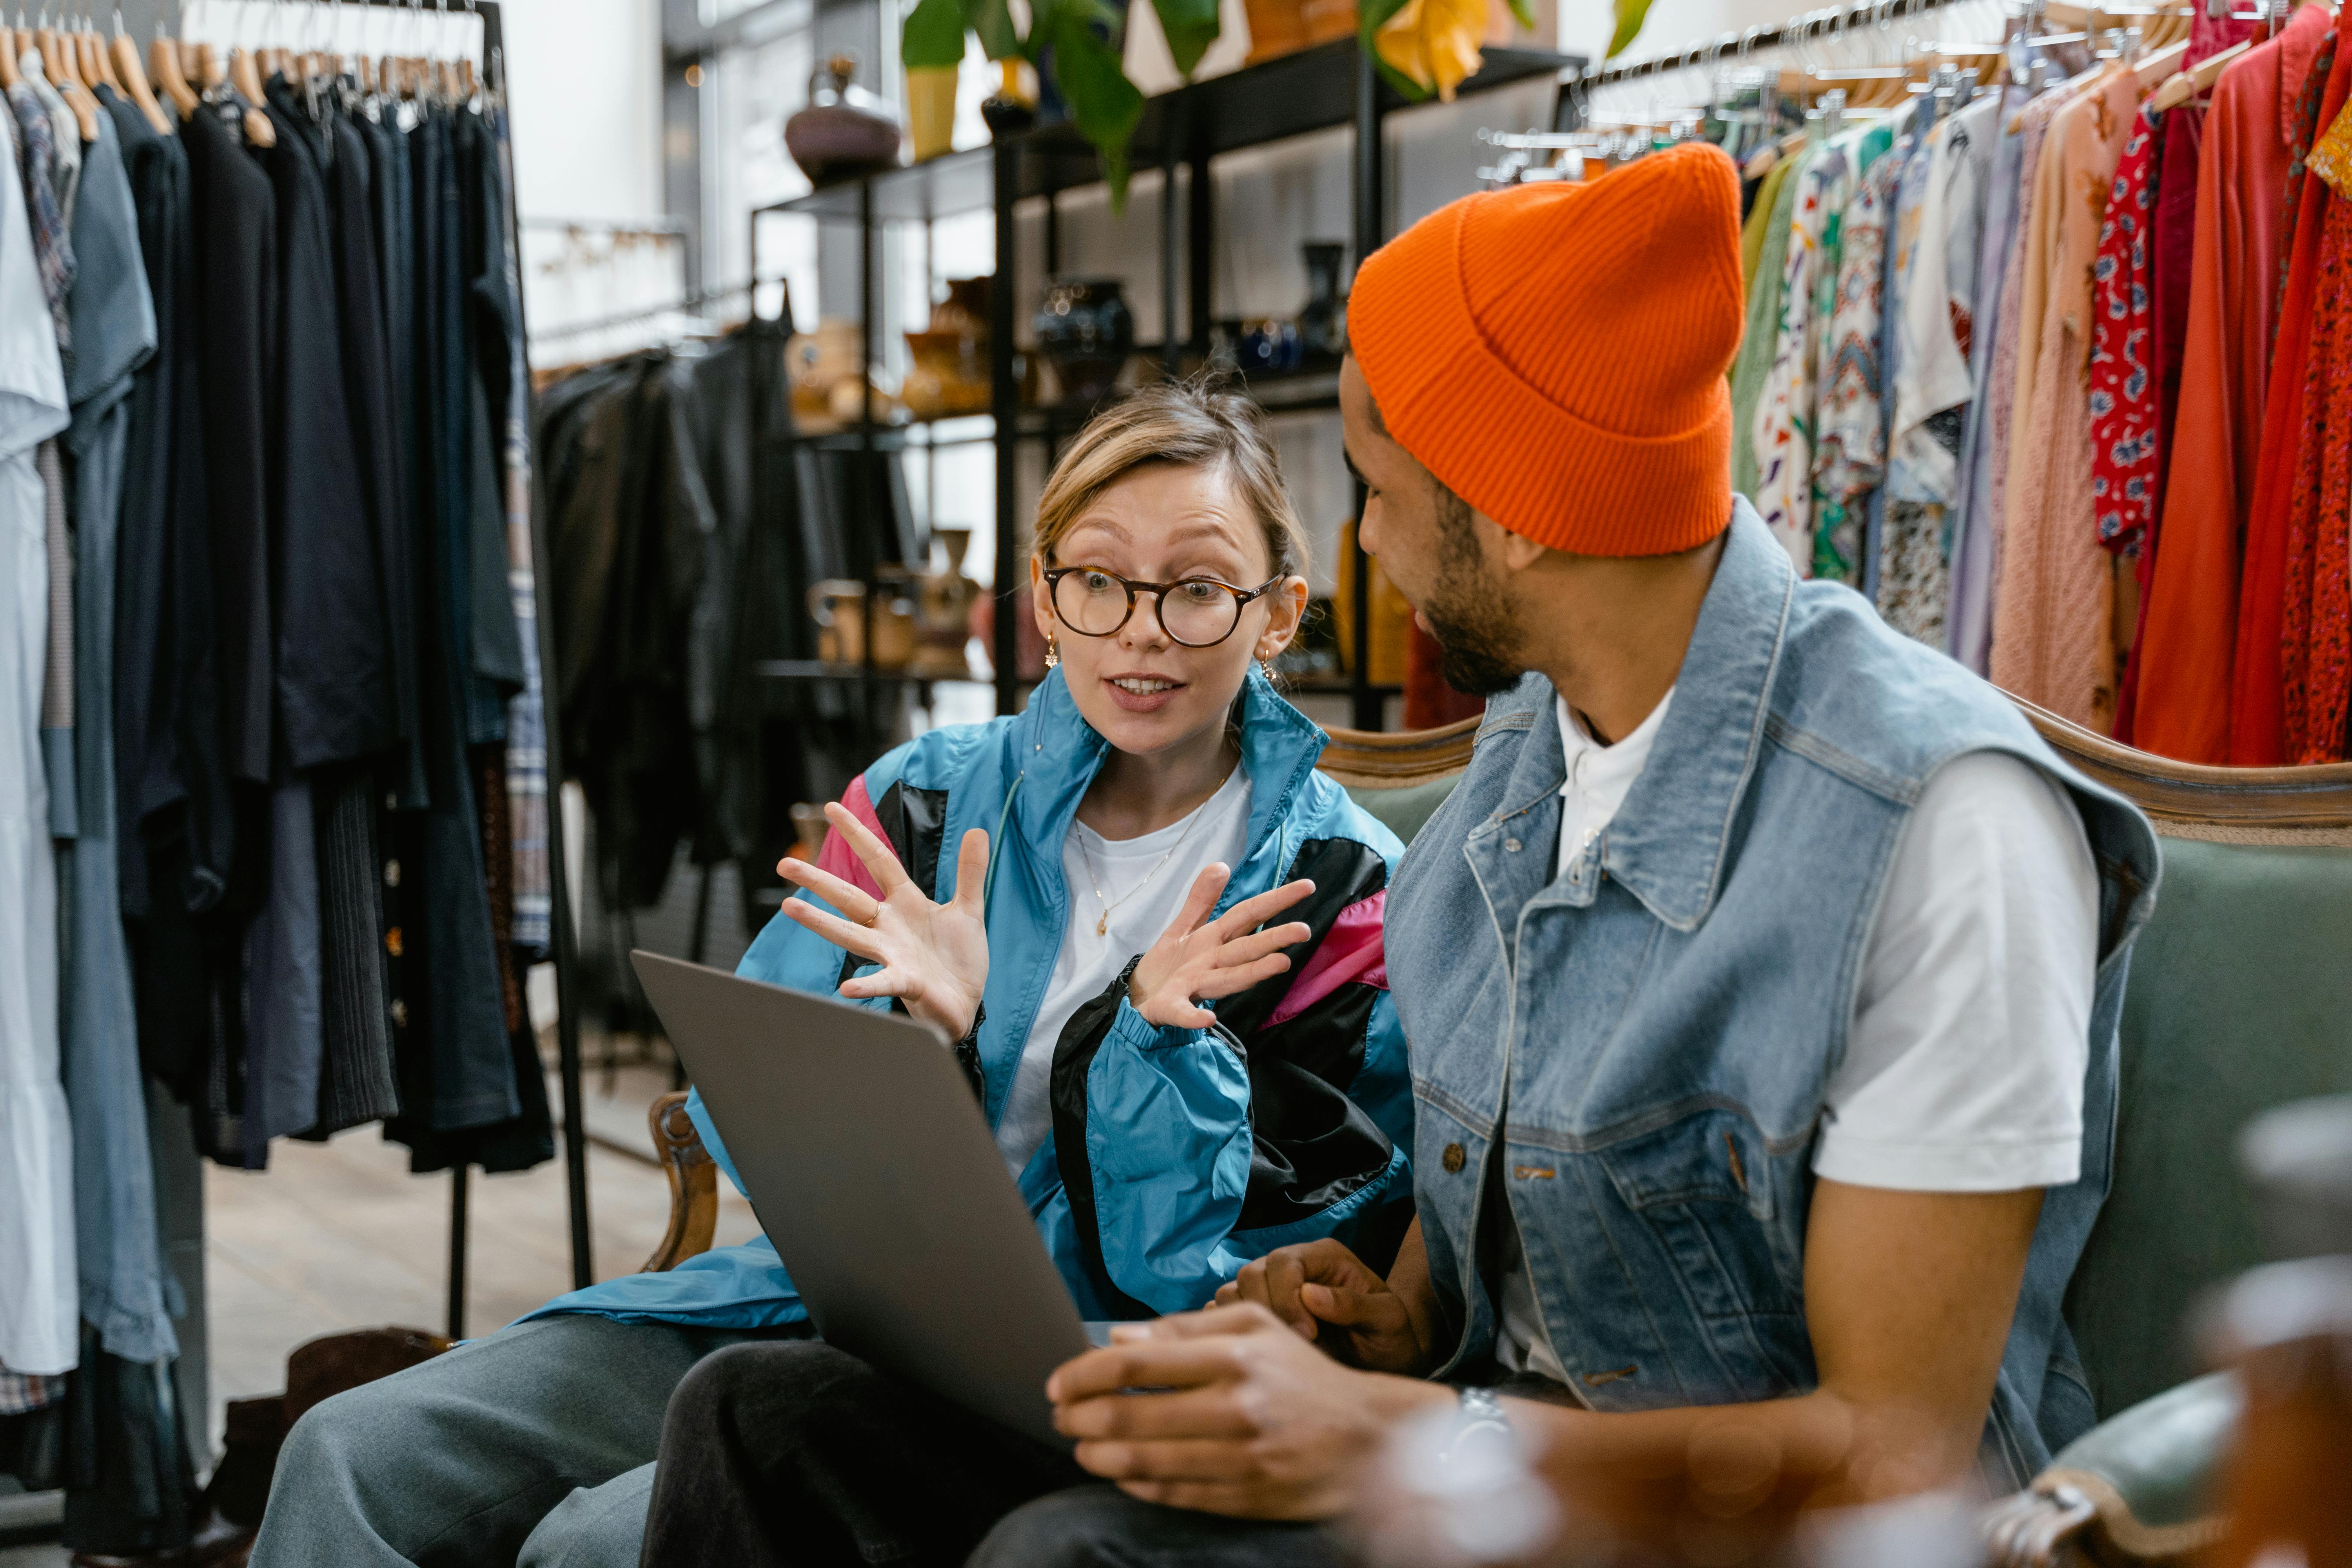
{"points": [[1662, 1018]]}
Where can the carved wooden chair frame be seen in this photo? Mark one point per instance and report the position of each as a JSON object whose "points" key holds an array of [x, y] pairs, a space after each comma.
{"points": [[2310, 805]]}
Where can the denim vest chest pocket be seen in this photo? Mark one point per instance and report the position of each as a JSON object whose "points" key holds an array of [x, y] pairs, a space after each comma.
{"points": [[1716, 1207], [1703, 1186]]}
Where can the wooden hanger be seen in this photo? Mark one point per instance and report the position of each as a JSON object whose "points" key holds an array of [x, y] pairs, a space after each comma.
{"points": [[9, 76], [2182, 86], [133, 78], [57, 63], [95, 66], [2155, 68], [163, 55], [258, 129]]}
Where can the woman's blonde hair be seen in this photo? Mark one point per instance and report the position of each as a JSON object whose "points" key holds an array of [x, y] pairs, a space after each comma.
{"points": [[1191, 425]]}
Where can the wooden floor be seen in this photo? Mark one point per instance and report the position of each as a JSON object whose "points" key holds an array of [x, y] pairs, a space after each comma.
{"points": [[340, 1236]]}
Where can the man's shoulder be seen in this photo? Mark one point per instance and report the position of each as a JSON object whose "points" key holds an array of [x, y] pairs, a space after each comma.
{"points": [[1880, 708]]}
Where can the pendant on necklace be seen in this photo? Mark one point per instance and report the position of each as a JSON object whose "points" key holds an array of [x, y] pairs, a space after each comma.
{"points": [[1102, 926]]}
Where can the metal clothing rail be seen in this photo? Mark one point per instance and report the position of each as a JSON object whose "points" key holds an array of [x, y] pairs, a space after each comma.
{"points": [[1809, 26], [563, 943], [693, 299]]}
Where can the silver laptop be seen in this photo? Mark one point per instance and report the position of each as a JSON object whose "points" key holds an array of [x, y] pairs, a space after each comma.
{"points": [[872, 1170]]}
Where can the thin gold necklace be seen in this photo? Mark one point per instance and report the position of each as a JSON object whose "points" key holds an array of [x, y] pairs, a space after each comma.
{"points": [[1102, 926]]}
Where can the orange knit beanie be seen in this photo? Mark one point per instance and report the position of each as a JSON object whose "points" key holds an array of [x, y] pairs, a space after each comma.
{"points": [[1556, 354]]}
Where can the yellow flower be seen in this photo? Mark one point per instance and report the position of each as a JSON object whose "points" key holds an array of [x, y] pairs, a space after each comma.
{"points": [[1435, 42]]}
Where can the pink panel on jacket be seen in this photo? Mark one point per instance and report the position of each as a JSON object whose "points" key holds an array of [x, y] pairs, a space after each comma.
{"points": [[1350, 951], [836, 857]]}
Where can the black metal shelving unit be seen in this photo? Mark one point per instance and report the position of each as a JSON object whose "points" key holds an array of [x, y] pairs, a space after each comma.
{"points": [[1319, 89]]}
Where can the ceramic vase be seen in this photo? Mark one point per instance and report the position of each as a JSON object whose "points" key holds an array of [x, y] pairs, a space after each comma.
{"points": [[844, 132], [1087, 333], [1323, 323], [930, 110], [1007, 111], [1276, 27]]}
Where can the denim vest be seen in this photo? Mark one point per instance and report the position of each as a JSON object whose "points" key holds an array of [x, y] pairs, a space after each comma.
{"points": [[1665, 1013]]}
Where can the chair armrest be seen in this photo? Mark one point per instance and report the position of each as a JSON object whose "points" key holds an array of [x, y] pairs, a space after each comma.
{"points": [[693, 1184], [2136, 1489]]}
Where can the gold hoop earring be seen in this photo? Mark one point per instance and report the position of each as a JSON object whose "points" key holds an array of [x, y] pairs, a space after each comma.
{"points": [[1053, 653]]}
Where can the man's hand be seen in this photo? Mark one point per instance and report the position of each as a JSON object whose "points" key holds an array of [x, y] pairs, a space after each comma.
{"points": [[1320, 1284], [1241, 1417], [1193, 962]]}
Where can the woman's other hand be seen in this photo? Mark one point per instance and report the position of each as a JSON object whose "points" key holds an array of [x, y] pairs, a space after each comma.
{"points": [[1327, 1294], [1193, 962], [934, 957]]}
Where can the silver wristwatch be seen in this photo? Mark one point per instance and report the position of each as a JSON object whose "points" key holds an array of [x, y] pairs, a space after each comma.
{"points": [[1481, 1415]]}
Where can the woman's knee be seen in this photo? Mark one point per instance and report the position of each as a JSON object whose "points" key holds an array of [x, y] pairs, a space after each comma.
{"points": [[337, 1431]]}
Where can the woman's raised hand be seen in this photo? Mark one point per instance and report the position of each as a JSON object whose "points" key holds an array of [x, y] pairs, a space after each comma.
{"points": [[934, 957], [1193, 962]]}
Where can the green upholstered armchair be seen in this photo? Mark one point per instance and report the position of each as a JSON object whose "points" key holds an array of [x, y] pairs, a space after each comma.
{"points": [[2241, 999]]}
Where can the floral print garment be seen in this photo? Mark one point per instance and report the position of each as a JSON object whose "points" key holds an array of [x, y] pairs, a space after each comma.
{"points": [[1784, 416], [1850, 425], [2316, 632], [2299, 121], [2124, 462]]}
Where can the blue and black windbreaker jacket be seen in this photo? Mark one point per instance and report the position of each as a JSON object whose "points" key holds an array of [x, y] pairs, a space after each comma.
{"points": [[1176, 1155]]}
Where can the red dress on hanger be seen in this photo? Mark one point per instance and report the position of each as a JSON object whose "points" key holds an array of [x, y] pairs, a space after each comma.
{"points": [[2257, 712], [2315, 648], [2191, 631]]}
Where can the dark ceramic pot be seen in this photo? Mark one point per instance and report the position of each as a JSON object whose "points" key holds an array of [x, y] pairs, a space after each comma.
{"points": [[844, 132], [1323, 324], [1270, 347], [1086, 332]]}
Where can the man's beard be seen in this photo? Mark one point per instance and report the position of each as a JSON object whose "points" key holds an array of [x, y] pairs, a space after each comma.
{"points": [[1478, 645]]}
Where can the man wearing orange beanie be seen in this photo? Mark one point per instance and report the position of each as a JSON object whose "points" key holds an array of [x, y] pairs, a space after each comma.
{"points": [[1761, 975]]}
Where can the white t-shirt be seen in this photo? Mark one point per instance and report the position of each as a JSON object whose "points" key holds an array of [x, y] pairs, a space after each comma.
{"points": [[1963, 1071], [1145, 895]]}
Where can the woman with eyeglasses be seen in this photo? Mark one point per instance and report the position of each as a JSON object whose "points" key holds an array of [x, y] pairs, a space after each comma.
{"points": [[1152, 927], [1152, 931]]}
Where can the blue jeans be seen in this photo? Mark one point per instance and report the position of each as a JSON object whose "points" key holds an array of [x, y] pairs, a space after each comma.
{"points": [[530, 1448]]}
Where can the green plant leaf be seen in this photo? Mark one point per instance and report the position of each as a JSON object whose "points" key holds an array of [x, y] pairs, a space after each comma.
{"points": [[1523, 13], [1191, 26], [932, 37], [1631, 15], [1104, 105], [992, 21]]}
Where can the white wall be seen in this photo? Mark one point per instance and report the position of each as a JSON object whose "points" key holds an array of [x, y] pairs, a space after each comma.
{"points": [[584, 85], [584, 79]]}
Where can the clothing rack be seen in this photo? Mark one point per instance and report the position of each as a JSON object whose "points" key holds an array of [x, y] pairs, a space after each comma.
{"points": [[692, 300], [1808, 26], [563, 941]]}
